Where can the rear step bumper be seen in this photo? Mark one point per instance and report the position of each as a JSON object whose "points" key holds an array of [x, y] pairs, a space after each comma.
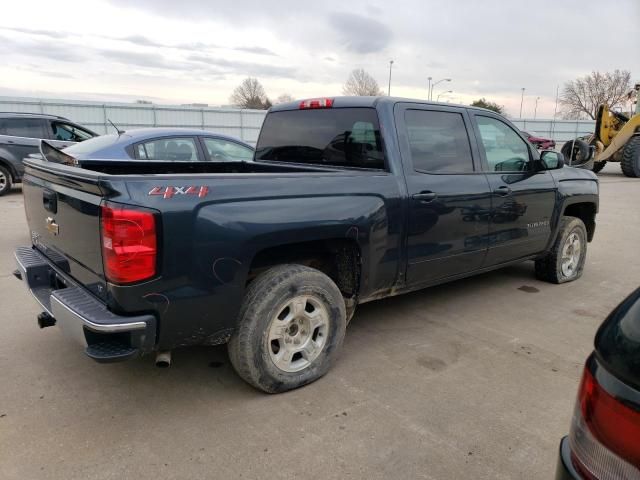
{"points": [[107, 337]]}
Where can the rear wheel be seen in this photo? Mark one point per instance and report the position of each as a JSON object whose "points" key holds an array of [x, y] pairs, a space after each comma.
{"points": [[565, 261], [291, 326], [5, 181], [630, 163]]}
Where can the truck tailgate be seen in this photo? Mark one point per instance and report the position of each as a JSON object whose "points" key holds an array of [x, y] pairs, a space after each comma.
{"points": [[63, 214]]}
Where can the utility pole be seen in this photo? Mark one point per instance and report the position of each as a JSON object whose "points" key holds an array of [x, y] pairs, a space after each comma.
{"points": [[521, 100], [535, 110], [429, 89], [390, 66], [555, 111]]}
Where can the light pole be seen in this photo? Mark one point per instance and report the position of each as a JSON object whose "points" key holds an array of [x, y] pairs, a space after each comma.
{"points": [[443, 93], [521, 100], [535, 110], [390, 65], [436, 83], [429, 88]]}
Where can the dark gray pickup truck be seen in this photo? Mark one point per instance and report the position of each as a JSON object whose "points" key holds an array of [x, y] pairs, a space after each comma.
{"points": [[20, 135], [347, 200]]}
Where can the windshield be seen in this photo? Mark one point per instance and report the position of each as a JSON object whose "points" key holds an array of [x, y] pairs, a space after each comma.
{"points": [[346, 137], [92, 145]]}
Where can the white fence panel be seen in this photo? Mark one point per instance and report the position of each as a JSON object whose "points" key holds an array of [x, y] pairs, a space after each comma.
{"points": [[243, 124]]}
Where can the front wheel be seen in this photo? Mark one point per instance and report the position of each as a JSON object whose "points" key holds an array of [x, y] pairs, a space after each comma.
{"points": [[5, 181], [565, 261], [291, 326]]}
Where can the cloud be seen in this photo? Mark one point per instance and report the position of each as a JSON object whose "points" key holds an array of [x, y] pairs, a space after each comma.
{"points": [[256, 50], [38, 32], [142, 40], [249, 69], [360, 34], [149, 60], [57, 51]]}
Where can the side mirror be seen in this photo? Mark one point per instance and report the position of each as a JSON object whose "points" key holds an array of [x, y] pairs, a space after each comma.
{"points": [[551, 160]]}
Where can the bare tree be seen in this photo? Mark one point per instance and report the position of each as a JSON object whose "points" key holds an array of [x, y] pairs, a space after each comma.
{"points": [[284, 98], [582, 96], [250, 94], [360, 83]]}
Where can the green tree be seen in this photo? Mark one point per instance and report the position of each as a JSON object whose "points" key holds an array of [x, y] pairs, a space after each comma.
{"points": [[484, 103]]}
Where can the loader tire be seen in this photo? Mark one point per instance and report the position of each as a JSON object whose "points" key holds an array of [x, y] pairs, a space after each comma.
{"points": [[630, 163]]}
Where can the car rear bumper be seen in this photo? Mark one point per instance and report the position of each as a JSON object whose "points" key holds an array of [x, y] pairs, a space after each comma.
{"points": [[565, 469], [107, 337]]}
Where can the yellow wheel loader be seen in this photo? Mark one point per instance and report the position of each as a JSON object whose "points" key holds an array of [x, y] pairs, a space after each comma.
{"points": [[616, 139]]}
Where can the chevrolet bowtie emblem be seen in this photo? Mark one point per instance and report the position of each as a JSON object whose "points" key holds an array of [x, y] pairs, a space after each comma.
{"points": [[52, 226]]}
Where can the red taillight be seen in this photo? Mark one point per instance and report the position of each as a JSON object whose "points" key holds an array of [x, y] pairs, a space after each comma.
{"points": [[316, 103], [605, 434], [129, 243]]}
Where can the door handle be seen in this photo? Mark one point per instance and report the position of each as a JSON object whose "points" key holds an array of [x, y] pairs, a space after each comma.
{"points": [[50, 201], [502, 191], [425, 197]]}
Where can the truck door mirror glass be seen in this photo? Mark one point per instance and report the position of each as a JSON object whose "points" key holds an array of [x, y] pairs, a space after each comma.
{"points": [[551, 160]]}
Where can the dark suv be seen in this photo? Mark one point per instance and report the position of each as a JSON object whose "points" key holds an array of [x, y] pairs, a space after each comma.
{"points": [[20, 135]]}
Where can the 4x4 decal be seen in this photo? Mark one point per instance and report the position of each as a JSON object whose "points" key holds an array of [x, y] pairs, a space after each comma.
{"points": [[169, 192]]}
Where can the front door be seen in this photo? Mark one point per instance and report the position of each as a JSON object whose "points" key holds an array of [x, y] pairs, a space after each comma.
{"points": [[449, 199], [522, 197]]}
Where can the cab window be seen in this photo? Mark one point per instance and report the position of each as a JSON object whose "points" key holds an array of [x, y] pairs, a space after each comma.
{"points": [[343, 137], [438, 142], [505, 150]]}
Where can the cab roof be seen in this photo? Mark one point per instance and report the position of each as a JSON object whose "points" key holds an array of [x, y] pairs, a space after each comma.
{"points": [[370, 102]]}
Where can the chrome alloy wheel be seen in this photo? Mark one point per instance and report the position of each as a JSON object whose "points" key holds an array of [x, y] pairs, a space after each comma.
{"points": [[571, 255], [3, 181], [298, 333]]}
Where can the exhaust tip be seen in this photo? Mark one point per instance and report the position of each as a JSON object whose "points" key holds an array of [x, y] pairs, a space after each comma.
{"points": [[163, 359], [45, 320]]}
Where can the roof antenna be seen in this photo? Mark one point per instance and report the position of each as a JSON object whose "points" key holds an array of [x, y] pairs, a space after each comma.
{"points": [[120, 132]]}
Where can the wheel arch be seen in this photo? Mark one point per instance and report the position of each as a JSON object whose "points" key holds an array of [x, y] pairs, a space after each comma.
{"points": [[339, 258], [585, 211], [10, 167]]}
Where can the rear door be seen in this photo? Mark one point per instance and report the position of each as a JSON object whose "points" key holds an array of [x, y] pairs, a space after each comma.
{"points": [[522, 198], [21, 136], [449, 196]]}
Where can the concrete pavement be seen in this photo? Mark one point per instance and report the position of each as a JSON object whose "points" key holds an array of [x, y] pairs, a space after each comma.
{"points": [[474, 379]]}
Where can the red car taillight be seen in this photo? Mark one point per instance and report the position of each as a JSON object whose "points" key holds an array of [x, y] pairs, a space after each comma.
{"points": [[129, 243], [605, 434]]}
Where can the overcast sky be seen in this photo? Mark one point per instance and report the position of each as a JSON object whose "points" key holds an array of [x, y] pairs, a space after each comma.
{"points": [[182, 51]]}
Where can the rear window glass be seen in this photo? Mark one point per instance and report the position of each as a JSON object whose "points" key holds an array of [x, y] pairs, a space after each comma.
{"points": [[345, 137]]}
